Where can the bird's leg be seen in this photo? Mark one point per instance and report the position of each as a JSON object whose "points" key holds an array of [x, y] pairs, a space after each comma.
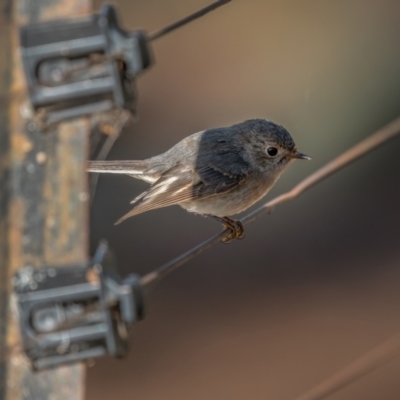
{"points": [[236, 227]]}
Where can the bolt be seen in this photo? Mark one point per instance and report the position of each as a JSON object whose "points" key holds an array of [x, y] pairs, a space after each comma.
{"points": [[41, 157]]}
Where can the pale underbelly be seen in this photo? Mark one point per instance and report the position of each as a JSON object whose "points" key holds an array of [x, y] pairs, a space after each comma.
{"points": [[230, 203]]}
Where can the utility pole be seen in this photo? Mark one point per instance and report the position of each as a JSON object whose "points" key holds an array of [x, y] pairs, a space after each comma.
{"points": [[69, 307], [43, 201]]}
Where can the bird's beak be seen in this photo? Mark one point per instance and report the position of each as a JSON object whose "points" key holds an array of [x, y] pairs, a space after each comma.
{"points": [[300, 156]]}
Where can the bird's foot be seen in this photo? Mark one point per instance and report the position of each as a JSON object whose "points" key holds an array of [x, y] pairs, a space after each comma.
{"points": [[236, 228]]}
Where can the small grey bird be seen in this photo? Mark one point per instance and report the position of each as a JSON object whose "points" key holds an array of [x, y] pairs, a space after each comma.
{"points": [[216, 173]]}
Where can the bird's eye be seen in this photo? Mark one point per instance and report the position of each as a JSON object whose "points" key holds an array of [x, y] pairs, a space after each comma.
{"points": [[272, 151]]}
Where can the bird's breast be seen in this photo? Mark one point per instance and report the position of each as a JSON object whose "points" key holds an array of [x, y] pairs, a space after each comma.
{"points": [[232, 202]]}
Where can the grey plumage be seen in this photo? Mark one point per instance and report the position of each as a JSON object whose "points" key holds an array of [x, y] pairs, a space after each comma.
{"points": [[216, 172]]}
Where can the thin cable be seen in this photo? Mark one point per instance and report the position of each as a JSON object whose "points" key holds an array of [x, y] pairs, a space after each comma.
{"points": [[357, 369], [105, 149], [113, 122], [370, 143], [167, 29]]}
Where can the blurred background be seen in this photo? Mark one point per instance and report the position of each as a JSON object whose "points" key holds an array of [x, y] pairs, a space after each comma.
{"points": [[312, 286]]}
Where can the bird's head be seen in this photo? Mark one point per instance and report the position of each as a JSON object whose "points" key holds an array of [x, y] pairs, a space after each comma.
{"points": [[270, 144]]}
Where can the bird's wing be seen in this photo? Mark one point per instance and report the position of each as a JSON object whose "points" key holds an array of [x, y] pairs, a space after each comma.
{"points": [[181, 184]]}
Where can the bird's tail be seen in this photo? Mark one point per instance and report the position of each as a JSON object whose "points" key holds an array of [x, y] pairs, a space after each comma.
{"points": [[129, 167]]}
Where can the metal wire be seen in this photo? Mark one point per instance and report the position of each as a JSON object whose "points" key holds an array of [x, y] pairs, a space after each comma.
{"points": [[357, 369], [167, 29], [365, 146], [374, 358]]}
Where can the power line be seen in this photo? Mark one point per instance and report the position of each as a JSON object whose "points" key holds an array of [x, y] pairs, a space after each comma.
{"points": [[186, 20], [373, 141], [357, 369]]}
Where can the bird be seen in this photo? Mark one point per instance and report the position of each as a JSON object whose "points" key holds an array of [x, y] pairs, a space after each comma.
{"points": [[217, 172]]}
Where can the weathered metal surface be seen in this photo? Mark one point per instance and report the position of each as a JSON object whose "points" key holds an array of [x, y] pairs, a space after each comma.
{"points": [[43, 203], [5, 71]]}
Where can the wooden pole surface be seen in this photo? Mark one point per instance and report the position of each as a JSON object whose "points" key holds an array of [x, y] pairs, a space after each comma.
{"points": [[43, 201]]}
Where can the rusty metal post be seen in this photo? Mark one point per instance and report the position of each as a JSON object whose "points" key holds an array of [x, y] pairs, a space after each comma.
{"points": [[43, 201]]}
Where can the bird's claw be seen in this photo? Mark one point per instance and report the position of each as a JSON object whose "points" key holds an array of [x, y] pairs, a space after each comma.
{"points": [[236, 228]]}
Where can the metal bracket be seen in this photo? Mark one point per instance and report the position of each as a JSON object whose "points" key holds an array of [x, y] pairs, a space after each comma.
{"points": [[75, 313], [82, 66]]}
